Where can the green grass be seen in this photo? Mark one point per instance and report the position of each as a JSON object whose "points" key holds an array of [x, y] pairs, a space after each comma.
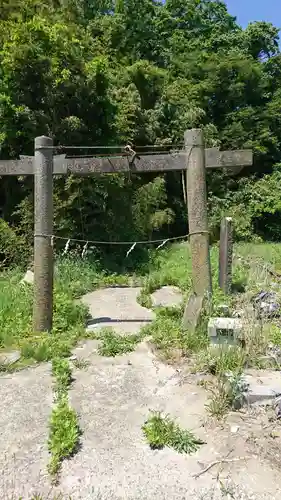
{"points": [[80, 364], [78, 276], [168, 335], [113, 344], [218, 360], [274, 335], [161, 431], [61, 372], [63, 435], [266, 252], [170, 266], [73, 277], [173, 266], [64, 431], [227, 391]]}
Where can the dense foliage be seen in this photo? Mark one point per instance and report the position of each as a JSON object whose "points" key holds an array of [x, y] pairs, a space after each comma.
{"points": [[102, 72]]}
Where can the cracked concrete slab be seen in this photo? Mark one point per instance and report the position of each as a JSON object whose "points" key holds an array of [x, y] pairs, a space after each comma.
{"points": [[263, 386], [113, 397], [167, 296], [26, 401], [117, 308]]}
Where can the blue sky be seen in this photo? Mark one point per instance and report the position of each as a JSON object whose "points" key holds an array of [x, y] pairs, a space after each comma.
{"points": [[255, 10]]}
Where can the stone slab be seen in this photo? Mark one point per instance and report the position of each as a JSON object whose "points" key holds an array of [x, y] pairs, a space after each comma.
{"points": [[26, 402], [167, 296], [9, 358], [114, 398], [117, 308], [263, 387]]}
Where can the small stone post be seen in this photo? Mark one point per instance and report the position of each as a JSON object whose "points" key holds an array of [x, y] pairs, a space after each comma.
{"points": [[43, 225], [197, 212], [225, 257]]}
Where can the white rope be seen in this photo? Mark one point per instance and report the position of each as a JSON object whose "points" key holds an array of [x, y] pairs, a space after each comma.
{"points": [[132, 244], [173, 147], [161, 242]]}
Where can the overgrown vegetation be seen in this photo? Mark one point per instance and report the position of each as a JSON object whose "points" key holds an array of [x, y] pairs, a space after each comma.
{"points": [[80, 363], [161, 431], [140, 72], [61, 371], [113, 344], [253, 267], [170, 265], [64, 434], [73, 277], [226, 392], [64, 428]]}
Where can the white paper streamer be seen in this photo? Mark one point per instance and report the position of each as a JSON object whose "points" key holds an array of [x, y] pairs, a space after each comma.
{"points": [[52, 241], [84, 250], [131, 249], [162, 244], [66, 247]]}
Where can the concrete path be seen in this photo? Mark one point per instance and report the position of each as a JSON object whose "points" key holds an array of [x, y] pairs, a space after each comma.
{"points": [[113, 397], [25, 406], [117, 308]]}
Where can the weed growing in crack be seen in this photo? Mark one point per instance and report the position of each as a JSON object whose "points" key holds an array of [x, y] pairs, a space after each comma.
{"points": [[64, 428], [4, 368], [218, 401], [167, 334], [114, 344], [80, 364], [237, 387], [163, 431], [218, 360], [226, 392], [61, 371], [64, 434]]}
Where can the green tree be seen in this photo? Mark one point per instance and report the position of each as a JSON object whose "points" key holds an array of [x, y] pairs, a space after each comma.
{"points": [[98, 72]]}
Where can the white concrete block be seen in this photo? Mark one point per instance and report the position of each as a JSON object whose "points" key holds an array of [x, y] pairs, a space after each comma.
{"points": [[224, 328]]}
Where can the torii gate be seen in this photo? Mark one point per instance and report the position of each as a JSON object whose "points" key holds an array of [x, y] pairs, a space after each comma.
{"points": [[194, 158]]}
